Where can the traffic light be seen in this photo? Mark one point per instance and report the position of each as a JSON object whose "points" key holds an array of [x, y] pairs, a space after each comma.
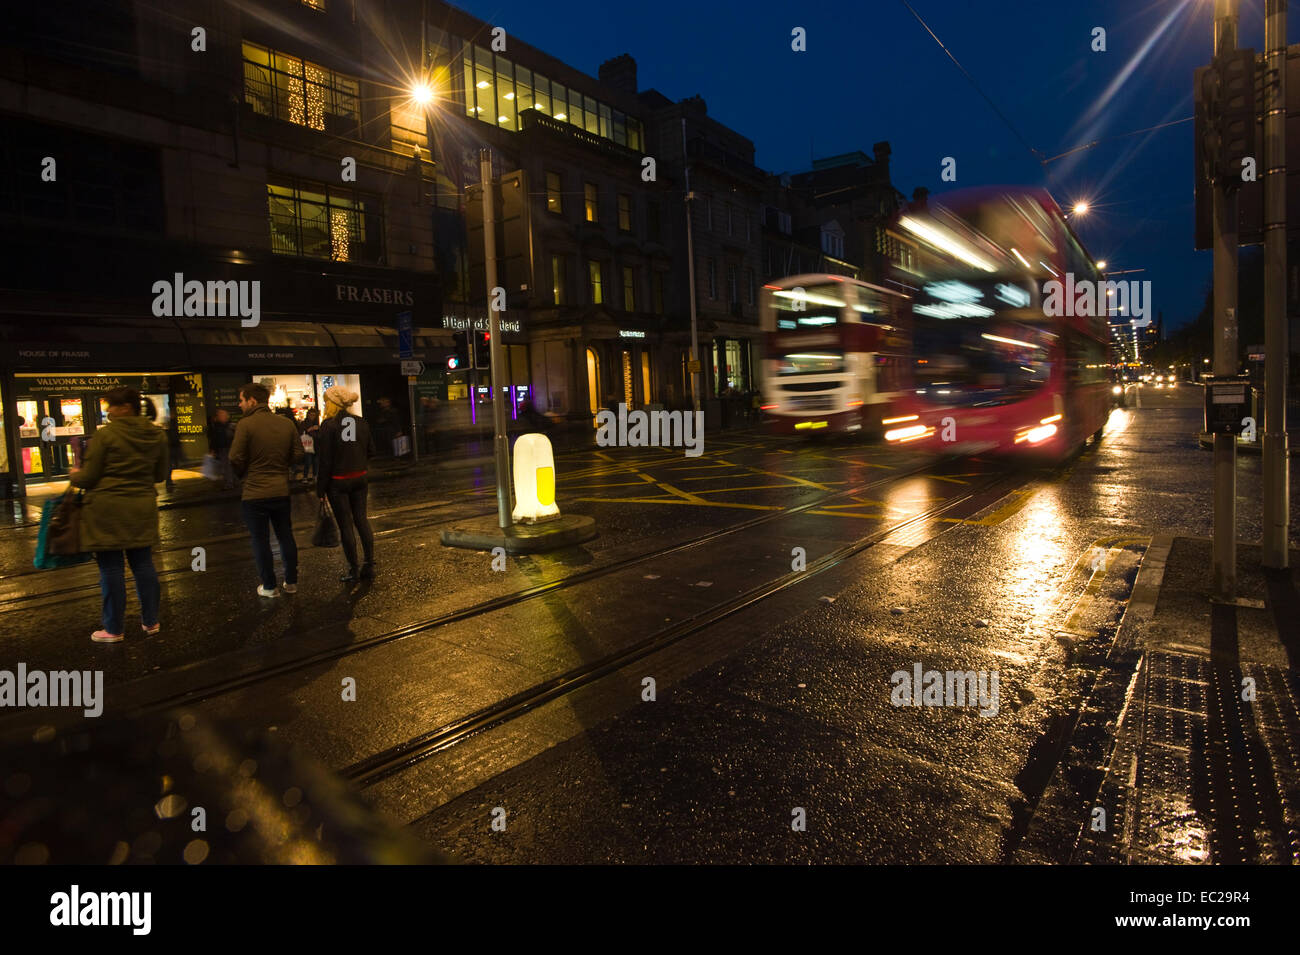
{"points": [[460, 360], [482, 353], [1226, 132], [1235, 119]]}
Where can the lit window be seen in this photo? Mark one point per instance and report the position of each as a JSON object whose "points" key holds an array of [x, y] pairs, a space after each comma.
{"points": [[554, 197], [589, 194], [297, 91], [314, 4], [594, 280], [324, 222], [625, 213], [559, 269]]}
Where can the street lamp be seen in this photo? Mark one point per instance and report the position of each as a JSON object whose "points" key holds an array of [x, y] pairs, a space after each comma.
{"points": [[422, 93]]}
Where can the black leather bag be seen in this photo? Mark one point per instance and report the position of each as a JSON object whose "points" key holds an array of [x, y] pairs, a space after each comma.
{"points": [[64, 538], [327, 529]]}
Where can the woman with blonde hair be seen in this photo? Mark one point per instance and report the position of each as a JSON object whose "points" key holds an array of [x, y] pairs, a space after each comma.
{"points": [[344, 447]]}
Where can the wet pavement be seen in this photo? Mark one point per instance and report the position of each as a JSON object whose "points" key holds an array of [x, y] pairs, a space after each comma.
{"points": [[714, 678]]}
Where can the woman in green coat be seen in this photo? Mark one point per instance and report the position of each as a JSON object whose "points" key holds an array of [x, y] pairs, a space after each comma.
{"points": [[119, 512]]}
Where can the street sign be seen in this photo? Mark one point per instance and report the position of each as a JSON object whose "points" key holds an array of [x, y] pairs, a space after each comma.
{"points": [[1226, 404], [693, 366], [412, 368], [405, 335]]}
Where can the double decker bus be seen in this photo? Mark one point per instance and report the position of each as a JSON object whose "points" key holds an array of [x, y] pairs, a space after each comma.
{"points": [[833, 353], [1009, 351]]}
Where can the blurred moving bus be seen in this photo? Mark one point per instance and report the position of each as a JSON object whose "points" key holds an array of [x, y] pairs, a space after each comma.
{"points": [[1009, 355], [833, 354]]}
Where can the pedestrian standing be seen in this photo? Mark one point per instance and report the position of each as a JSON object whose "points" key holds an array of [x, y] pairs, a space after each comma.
{"points": [[265, 450], [220, 435], [119, 511], [310, 425], [345, 446]]}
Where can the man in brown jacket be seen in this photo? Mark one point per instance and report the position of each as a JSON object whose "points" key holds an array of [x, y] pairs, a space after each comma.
{"points": [[264, 453]]}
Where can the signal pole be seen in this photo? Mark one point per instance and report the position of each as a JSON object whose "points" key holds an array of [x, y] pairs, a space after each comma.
{"points": [[690, 277], [1276, 549], [500, 442], [1224, 548]]}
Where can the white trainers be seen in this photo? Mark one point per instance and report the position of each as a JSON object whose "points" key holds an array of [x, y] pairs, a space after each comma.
{"points": [[263, 592], [289, 588]]}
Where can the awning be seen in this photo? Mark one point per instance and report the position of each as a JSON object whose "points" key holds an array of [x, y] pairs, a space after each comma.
{"points": [[49, 343], [377, 345]]}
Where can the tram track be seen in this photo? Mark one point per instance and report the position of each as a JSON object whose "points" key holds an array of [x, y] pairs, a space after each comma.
{"points": [[396, 759]]}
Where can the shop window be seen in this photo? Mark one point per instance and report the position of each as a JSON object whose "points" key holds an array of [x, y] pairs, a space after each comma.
{"points": [[324, 222], [593, 381], [300, 92], [628, 397]]}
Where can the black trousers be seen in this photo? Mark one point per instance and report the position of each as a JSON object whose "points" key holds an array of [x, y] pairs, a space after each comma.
{"points": [[348, 499]]}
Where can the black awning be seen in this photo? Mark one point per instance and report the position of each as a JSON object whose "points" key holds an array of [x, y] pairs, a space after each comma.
{"points": [[53, 342], [225, 342], [377, 345]]}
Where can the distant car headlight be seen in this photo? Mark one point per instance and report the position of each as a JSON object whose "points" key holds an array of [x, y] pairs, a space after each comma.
{"points": [[1117, 390]]}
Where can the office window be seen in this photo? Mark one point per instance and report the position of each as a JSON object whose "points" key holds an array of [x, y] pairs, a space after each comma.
{"points": [[595, 282], [624, 213], [657, 293], [298, 91], [559, 102], [591, 198], [629, 289], [652, 221], [713, 279], [324, 222], [554, 195], [541, 94], [559, 280], [523, 89]]}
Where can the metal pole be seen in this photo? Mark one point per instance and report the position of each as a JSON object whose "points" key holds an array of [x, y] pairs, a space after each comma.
{"points": [[1276, 550], [415, 427], [1225, 342], [690, 279], [500, 443]]}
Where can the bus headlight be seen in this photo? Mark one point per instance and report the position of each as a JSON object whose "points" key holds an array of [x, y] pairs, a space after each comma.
{"points": [[902, 434], [1040, 434]]}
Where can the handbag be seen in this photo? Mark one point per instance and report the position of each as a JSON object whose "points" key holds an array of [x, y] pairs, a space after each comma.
{"points": [[327, 529], [60, 529]]}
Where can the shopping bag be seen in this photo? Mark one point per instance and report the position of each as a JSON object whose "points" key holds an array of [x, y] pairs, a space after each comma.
{"points": [[211, 467], [45, 558], [401, 446], [308, 443], [327, 529]]}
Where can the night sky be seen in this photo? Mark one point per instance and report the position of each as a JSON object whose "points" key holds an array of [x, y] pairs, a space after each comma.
{"points": [[872, 73]]}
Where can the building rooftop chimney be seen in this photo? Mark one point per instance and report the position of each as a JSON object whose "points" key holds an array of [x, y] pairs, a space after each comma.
{"points": [[619, 73]]}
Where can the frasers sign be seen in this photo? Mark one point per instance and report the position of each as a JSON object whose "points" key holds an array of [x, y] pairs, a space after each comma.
{"points": [[373, 295], [457, 323]]}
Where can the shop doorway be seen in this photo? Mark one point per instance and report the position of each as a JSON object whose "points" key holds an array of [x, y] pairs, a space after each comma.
{"points": [[53, 433]]}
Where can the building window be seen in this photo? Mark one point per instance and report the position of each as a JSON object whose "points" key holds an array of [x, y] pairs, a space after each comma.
{"points": [[752, 291], [624, 212], [730, 220], [298, 91], [594, 281], [593, 381], [833, 243], [559, 283], [657, 293], [591, 198], [314, 4], [713, 279], [324, 222], [733, 293], [749, 227], [708, 213], [652, 221], [554, 197], [629, 288]]}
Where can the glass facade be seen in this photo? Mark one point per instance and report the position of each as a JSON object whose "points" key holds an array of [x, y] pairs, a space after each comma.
{"points": [[497, 90]]}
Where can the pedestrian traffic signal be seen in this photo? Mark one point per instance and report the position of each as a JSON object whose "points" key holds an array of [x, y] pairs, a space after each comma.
{"points": [[482, 349]]}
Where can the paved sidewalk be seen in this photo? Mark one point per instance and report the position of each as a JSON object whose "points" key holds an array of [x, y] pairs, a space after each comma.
{"points": [[1204, 761]]}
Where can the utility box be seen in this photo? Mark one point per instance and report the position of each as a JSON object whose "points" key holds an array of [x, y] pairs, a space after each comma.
{"points": [[1227, 404]]}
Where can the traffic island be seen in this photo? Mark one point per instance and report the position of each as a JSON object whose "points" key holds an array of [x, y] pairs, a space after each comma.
{"points": [[484, 533]]}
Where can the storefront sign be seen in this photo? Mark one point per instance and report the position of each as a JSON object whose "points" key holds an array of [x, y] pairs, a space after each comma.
{"points": [[461, 324], [629, 333], [372, 295]]}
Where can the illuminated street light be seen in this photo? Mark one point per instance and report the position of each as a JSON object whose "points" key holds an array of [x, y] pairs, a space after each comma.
{"points": [[1102, 265], [422, 93], [1080, 208]]}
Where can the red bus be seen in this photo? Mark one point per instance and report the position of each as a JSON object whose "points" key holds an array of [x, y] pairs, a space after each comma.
{"points": [[833, 353], [1009, 354]]}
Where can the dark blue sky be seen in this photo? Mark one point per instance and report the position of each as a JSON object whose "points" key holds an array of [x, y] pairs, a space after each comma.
{"points": [[872, 73]]}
